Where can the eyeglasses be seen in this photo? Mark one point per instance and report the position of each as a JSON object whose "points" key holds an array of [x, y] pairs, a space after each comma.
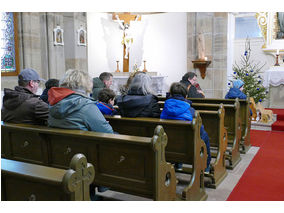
{"points": [[37, 81]]}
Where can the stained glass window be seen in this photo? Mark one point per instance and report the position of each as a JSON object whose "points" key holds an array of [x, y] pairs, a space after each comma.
{"points": [[8, 51]]}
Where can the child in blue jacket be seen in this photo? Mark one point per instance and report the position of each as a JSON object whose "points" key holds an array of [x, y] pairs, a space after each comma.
{"points": [[106, 101], [177, 107], [236, 91]]}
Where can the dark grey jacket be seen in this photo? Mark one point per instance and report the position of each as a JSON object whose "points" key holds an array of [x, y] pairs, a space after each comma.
{"points": [[22, 106]]}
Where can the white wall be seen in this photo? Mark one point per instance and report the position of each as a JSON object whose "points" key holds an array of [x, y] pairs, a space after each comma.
{"points": [[160, 39]]}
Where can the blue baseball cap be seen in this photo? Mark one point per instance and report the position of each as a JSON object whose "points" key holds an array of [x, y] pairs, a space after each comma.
{"points": [[30, 75]]}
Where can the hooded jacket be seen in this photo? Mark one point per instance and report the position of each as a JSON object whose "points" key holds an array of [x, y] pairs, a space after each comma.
{"points": [[71, 110], [98, 85], [177, 108], [192, 90], [106, 109], [136, 104], [23, 106], [235, 93]]}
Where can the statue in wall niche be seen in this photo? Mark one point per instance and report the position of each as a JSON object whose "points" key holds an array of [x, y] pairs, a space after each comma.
{"points": [[280, 34], [201, 46]]}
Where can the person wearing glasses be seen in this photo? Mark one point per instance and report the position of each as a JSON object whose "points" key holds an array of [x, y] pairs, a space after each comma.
{"points": [[22, 105]]}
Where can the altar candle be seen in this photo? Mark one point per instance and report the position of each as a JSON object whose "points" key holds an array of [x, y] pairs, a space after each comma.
{"points": [[277, 52]]}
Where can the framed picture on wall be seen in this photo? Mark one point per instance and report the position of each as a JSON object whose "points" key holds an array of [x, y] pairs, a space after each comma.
{"points": [[58, 36], [82, 35]]}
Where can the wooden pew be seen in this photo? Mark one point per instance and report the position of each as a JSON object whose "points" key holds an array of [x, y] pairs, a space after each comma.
{"points": [[129, 164], [244, 116], [232, 124], [214, 125], [184, 145], [24, 181]]}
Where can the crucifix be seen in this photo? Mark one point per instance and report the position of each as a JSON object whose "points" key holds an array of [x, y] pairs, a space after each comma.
{"points": [[127, 38]]}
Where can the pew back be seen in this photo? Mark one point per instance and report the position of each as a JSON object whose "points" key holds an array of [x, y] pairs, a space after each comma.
{"points": [[24, 181], [130, 164]]}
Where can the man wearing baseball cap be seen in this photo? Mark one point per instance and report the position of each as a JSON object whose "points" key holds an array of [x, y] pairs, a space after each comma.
{"points": [[22, 105]]}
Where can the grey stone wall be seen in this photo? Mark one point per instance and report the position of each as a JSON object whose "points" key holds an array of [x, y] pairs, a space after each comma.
{"points": [[37, 49], [214, 27]]}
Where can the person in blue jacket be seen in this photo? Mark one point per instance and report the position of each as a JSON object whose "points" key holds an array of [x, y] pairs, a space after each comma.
{"points": [[236, 91], [106, 101], [177, 107]]}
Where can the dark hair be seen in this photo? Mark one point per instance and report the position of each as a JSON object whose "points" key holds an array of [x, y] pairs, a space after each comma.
{"points": [[52, 83], [105, 95], [22, 82], [189, 75], [105, 76], [178, 89]]}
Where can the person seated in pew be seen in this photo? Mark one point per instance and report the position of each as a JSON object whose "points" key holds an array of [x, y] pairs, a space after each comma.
{"points": [[140, 100], [72, 108], [50, 83], [22, 105], [124, 88], [177, 107], [236, 91], [106, 101], [189, 80]]}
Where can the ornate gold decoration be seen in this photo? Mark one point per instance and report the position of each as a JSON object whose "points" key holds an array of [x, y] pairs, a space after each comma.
{"points": [[262, 23]]}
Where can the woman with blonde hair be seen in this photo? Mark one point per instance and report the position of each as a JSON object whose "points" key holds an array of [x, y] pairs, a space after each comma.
{"points": [[71, 107]]}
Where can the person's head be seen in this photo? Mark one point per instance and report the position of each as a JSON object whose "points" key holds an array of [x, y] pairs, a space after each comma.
{"points": [[178, 89], [191, 77], [77, 80], [239, 84], [51, 83], [29, 79], [142, 82], [107, 96], [106, 77]]}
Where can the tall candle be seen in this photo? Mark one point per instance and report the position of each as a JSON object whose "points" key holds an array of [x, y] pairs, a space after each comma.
{"points": [[277, 52]]}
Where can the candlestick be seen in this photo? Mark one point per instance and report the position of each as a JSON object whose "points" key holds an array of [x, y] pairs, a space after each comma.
{"points": [[277, 64], [144, 70], [117, 67]]}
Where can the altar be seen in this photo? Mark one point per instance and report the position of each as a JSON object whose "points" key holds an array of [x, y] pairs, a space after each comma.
{"points": [[274, 82], [120, 79]]}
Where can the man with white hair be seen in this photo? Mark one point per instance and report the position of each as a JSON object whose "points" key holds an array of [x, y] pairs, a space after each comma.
{"points": [[22, 105]]}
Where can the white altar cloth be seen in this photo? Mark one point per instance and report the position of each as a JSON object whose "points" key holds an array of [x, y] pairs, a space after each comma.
{"points": [[274, 77]]}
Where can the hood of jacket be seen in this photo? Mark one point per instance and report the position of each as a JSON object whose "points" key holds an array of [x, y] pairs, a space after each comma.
{"points": [[175, 108], [235, 93], [64, 102], [97, 83], [14, 98]]}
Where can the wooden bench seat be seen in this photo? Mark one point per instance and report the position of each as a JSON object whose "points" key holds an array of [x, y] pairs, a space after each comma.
{"points": [[244, 116], [233, 126], [184, 145], [31, 182], [128, 164], [213, 122]]}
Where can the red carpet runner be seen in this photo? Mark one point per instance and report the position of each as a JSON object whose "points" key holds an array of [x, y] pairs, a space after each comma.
{"points": [[263, 180], [279, 124]]}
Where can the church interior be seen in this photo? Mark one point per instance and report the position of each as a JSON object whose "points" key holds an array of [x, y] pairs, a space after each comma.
{"points": [[219, 47]]}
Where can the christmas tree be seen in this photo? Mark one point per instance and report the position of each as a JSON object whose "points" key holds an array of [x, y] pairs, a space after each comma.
{"points": [[249, 72]]}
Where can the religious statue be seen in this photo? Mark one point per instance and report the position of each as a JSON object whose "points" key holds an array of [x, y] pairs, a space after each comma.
{"points": [[280, 34], [201, 46], [127, 36]]}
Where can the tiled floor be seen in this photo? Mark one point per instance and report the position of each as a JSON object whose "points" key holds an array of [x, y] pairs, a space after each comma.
{"points": [[219, 194]]}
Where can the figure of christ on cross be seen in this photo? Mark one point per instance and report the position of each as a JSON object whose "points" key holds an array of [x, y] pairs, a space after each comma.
{"points": [[124, 23]]}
